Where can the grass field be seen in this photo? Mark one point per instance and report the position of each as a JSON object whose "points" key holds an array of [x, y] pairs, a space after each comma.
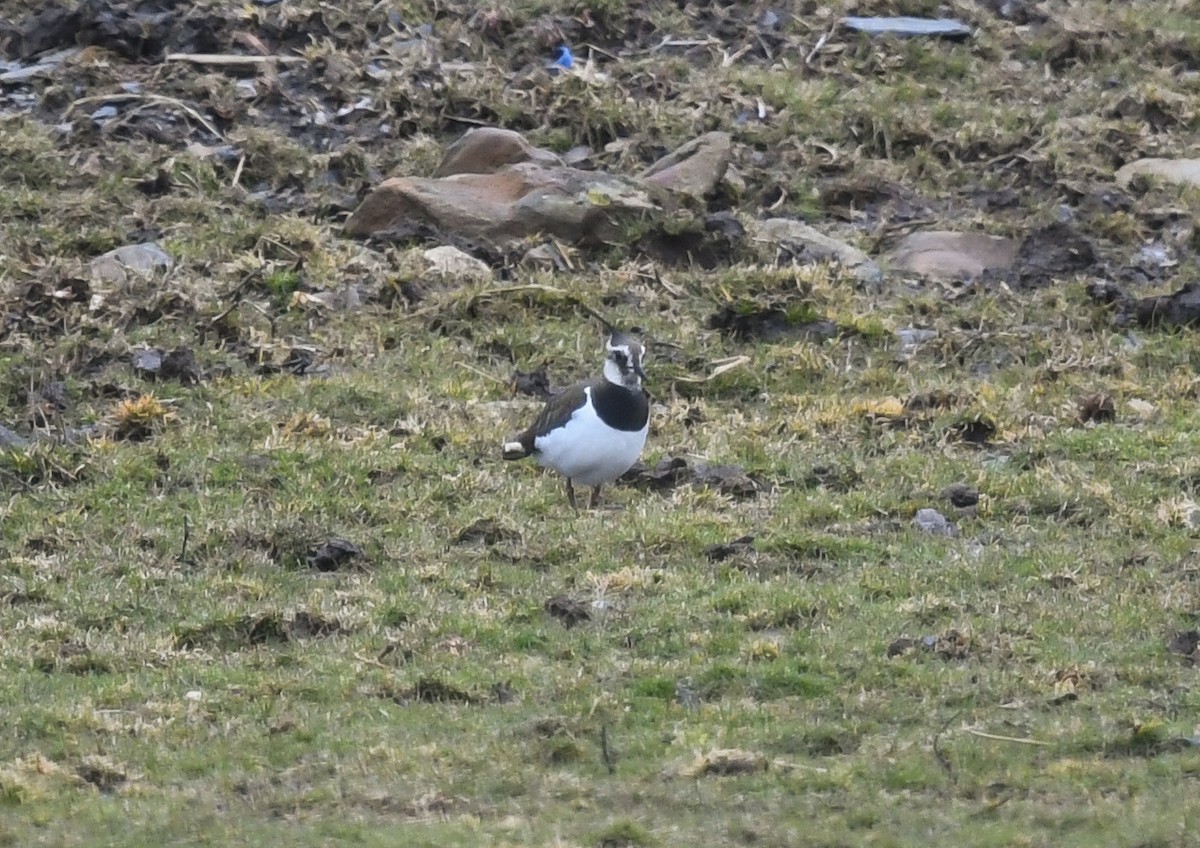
{"points": [[181, 666]]}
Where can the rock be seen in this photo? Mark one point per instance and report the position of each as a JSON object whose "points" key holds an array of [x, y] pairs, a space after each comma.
{"points": [[908, 26], [143, 260], [148, 361], [695, 168], [953, 256], [725, 224], [105, 113], [934, 523], [547, 257], [45, 66], [487, 149], [1184, 171], [1179, 309], [578, 155], [493, 186], [1143, 409], [1157, 255], [506, 206], [11, 439], [785, 231], [911, 340], [910, 336], [456, 263]]}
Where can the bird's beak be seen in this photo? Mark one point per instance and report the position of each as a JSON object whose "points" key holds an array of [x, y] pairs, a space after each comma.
{"points": [[637, 369]]}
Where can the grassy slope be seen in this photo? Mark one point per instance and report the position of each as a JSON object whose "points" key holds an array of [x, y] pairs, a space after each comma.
{"points": [[156, 700]]}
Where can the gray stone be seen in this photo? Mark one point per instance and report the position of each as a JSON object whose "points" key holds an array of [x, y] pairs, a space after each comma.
{"points": [[11, 439], [143, 260], [695, 168], [821, 246], [934, 523], [1184, 171], [456, 263], [908, 26], [948, 255]]}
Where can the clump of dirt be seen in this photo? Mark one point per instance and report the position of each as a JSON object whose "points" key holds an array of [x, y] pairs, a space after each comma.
{"points": [[951, 645], [672, 472], [177, 364], [1186, 645], [429, 690], [835, 478], [567, 610], [246, 631], [535, 383], [1098, 408], [973, 428], [102, 773], [725, 550], [1050, 254], [1181, 308], [335, 555], [486, 531], [961, 495], [72, 657], [135, 31], [777, 321]]}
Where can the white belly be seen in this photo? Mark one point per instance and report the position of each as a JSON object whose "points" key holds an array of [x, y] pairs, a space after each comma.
{"points": [[589, 452]]}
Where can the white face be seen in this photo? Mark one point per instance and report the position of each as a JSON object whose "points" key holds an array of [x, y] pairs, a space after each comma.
{"points": [[623, 365]]}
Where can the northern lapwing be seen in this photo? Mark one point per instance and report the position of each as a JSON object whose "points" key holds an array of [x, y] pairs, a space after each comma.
{"points": [[594, 431]]}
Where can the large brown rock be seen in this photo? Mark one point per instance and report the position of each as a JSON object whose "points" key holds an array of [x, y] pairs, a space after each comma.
{"points": [[696, 167], [510, 204], [487, 149], [493, 185]]}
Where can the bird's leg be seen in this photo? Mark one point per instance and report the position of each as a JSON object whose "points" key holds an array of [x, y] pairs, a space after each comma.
{"points": [[595, 497], [571, 495]]}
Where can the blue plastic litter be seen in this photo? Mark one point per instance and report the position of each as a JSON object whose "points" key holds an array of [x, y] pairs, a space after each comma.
{"points": [[905, 26], [563, 59]]}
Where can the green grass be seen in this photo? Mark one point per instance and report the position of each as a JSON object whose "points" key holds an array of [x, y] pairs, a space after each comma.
{"points": [[175, 671]]}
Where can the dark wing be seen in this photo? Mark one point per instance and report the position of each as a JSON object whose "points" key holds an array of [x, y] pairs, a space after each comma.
{"points": [[554, 414]]}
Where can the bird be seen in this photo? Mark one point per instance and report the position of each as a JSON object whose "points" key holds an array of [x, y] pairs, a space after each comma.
{"points": [[593, 431]]}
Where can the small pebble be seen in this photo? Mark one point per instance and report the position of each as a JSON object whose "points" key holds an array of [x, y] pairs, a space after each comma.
{"points": [[934, 523]]}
